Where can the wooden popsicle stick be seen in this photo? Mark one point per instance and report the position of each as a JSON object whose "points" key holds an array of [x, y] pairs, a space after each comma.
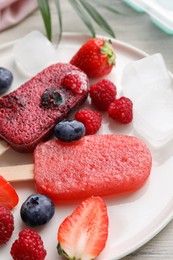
{"points": [[3, 147], [17, 173]]}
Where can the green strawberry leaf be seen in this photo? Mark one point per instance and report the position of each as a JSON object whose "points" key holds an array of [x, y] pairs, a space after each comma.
{"points": [[58, 7], [84, 17], [46, 15], [61, 251], [97, 17]]}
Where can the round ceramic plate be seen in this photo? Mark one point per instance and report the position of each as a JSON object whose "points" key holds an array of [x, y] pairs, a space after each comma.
{"points": [[133, 218]]}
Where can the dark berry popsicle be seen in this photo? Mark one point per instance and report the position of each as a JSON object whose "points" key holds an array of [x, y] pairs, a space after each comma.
{"points": [[29, 114]]}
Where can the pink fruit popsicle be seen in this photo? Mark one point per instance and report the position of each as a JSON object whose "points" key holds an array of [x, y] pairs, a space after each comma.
{"points": [[28, 114], [97, 165]]}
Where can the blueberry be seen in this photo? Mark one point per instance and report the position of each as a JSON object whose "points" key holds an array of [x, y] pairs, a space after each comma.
{"points": [[6, 79], [37, 210], [68, 131], [51, 98]]}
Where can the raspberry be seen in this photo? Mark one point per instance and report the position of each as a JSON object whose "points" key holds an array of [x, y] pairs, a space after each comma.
{"points": [[121, 110], [75, 82], [6, 224], [91, 120], [103, 93], [29, 245]]}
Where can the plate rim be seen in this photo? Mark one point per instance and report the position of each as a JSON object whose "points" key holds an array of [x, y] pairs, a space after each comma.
{"points": [[155, 231]]}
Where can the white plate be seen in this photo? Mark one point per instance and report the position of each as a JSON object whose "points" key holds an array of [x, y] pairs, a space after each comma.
{"points": [[133, 219]]}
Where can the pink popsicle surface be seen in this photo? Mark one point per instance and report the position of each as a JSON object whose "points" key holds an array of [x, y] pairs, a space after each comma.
{"points": [[96, 165]]}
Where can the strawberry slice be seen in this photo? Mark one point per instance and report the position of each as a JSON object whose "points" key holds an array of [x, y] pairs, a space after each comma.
{"points": [[83, 234], [8, 195]]}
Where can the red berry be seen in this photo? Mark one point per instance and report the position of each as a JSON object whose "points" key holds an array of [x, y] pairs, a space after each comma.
{"points": [[121, 110], [103, 93], [76, 82], [83, 234], [8, 195], [91, 120], [6, 224], [96, 57], [29, 245]]}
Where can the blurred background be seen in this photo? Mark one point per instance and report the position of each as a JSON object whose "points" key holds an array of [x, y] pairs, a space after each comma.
{"points": [[129, 26]]}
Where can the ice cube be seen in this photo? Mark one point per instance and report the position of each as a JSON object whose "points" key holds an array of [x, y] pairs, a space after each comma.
{"points": [[142, 75], [33, 53], [153, 117]]}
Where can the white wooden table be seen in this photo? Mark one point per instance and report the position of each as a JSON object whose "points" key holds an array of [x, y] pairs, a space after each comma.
{"points": [[138, 30]]}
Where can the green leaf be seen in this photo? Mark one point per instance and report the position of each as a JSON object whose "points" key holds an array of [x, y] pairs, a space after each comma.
{"points": [[97, 17], [106, 6], [84, 17], [45, 12], [110, 8], [58, 7]]}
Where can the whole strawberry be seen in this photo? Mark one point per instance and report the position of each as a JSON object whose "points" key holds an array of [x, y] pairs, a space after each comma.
{"points": [[121, 110], [96, 57], [29, 245], [103, 93], [6, 224], [91, 120]]}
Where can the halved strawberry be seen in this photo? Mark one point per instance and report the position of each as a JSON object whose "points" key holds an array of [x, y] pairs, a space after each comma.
{"points": [[83, 234], [8, 195]]}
